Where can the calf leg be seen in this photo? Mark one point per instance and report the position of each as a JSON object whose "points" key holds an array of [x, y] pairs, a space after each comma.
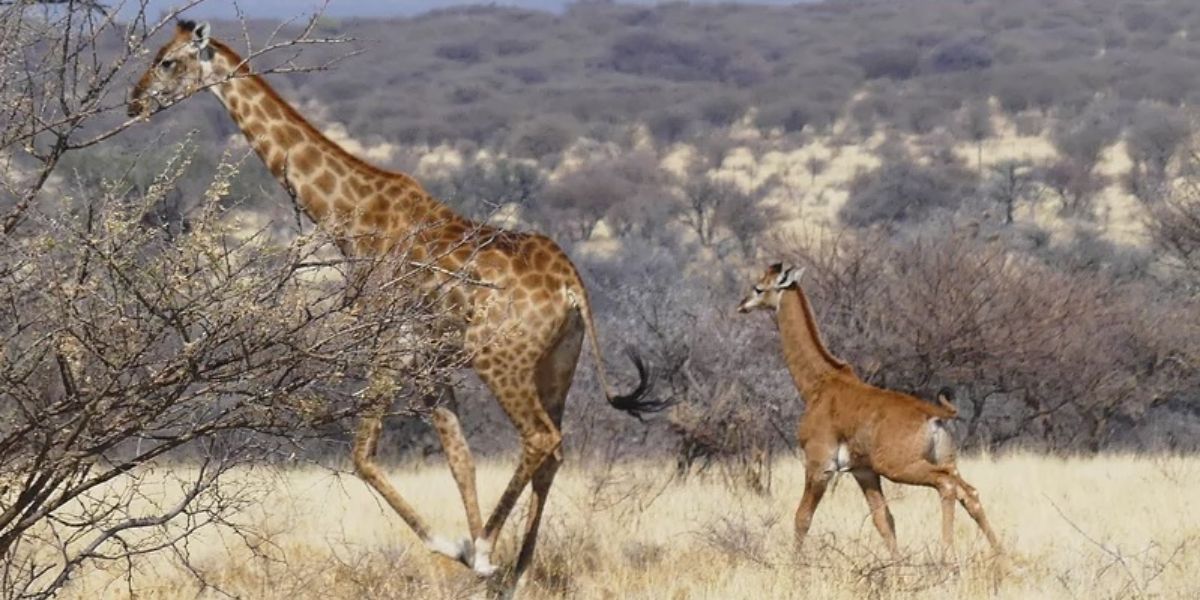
{"points": [[969, 497], [948, 491], [944, 478], [873, 491], [816, 479]]}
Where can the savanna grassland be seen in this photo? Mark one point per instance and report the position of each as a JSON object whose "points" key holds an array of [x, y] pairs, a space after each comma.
{"points": [[1112, 526]]}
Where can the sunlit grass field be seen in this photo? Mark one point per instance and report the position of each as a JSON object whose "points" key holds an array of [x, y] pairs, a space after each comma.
{"points": [[1097, 527]]}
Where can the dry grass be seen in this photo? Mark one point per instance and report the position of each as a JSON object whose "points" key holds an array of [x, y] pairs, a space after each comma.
{"points": [[1107, 527]]}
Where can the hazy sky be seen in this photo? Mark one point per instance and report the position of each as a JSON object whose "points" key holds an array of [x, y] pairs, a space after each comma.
{"points": [[373, 8]]}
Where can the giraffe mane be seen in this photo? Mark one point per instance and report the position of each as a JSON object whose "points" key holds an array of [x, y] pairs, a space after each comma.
{"points": [[815, 337], [243, 71]]}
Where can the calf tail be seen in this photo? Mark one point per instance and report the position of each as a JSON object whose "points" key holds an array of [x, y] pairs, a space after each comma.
{"points": [[940, 450], [945, 398]]}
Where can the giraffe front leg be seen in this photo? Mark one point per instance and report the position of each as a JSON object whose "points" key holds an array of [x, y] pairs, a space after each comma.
{"points": [[462, 467], [365, 445]]}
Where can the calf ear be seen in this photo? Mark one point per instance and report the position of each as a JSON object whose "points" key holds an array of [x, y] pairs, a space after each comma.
{"points": [[789, 277]]}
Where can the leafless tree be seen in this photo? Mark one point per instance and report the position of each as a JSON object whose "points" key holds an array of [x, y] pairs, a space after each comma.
{"points": [[727, 432], [1080, 143], [126, 345], [648, 206], [903, 190], [479, 189], [1076, 185], [1155, 136], [815, 166], [724, 216], [703, 200], [1011, 183], [1175, 224], [976, 125], [573, 205]]}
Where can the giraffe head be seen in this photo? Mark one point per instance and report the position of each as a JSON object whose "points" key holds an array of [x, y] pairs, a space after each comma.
{"points": [[182, 66], [768, 287]]}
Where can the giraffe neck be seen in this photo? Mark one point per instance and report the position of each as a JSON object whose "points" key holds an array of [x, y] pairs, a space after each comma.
{"points": [[365, 207], [808, 360]]}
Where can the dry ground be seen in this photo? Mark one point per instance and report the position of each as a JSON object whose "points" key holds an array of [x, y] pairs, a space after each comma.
{"points": [[1106, 527]]}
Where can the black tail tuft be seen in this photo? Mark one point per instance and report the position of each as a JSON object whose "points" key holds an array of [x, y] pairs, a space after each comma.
{"points": [[635, 402]]}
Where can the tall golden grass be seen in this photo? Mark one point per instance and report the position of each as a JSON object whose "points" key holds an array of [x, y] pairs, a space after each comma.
{"points": [[1117, 526]]}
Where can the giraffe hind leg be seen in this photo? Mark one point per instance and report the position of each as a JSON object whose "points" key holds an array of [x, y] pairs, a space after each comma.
{"points": [[540, 441], [872, 490], [512, 377], [555, 373]]}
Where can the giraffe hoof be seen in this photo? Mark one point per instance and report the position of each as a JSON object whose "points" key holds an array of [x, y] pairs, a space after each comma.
{"points": [[481, 563], [484, 569], [459, 550]]}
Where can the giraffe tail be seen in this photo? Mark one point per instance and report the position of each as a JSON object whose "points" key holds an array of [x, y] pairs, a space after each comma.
{"points": [[635, 402]]}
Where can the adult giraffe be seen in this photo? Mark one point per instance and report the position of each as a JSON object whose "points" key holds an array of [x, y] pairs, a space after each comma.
{"points": [[522, 332]]}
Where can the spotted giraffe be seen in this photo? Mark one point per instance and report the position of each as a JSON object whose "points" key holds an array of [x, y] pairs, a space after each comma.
{"points": [[522, 331]]}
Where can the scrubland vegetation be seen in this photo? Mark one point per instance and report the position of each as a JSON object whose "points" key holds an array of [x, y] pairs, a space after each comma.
{"points": [[998, 197]]}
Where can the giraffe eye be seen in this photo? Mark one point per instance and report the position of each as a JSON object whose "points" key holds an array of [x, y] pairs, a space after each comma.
{"points": [[166, 64], [758, 289]]}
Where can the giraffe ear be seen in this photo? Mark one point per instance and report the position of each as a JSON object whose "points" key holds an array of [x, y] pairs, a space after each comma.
{"points": [[200, 35]]}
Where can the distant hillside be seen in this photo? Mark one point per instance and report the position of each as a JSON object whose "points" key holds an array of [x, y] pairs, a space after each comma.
{"points": [[487, 74], [263, 9]]}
